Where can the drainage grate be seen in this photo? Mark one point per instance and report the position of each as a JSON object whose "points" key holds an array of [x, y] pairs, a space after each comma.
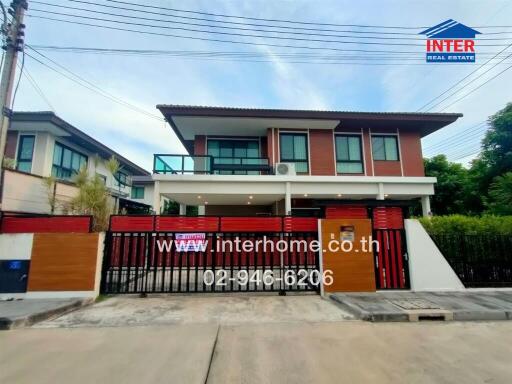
{"points": [[412, 304]]}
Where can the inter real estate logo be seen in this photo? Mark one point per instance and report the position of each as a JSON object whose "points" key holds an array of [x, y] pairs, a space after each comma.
{"points": [[450, 42]]}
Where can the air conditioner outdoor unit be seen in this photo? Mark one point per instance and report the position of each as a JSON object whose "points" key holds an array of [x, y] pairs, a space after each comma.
{"points": [[285, 169]]}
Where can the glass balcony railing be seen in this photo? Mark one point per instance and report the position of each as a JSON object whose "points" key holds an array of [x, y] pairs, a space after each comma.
{"points": [[205, 164]]}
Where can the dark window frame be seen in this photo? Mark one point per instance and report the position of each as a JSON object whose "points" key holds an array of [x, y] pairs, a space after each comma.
{"points": [[21, 138], [137, 188], [285, 160], [121, 181], [60, 167], [384, 137], [232, 142], [361, 154]]}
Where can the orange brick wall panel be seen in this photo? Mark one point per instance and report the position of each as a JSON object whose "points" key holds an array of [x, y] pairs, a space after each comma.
{"points": [[63, 262], [322, 152], [367, 150], [200, 145], [11, 143], [412, 158], [387, 168]]}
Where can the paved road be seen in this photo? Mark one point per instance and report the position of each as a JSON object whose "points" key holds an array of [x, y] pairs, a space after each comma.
{"points": [[296, 352]]}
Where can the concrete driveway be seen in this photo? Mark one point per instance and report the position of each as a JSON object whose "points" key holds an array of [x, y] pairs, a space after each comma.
{"points": [[319, 352], [227, 310]]}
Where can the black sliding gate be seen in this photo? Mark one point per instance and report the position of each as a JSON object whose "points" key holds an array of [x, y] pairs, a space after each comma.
{"points": [[151, 262]]}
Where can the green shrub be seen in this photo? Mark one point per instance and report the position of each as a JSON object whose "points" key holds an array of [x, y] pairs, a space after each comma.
{"points": [[470, 225]]}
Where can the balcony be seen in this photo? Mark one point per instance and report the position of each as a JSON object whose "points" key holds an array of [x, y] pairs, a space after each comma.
{"points": [[208, 165]]}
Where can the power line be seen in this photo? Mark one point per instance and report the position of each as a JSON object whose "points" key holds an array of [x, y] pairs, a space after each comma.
{"points": [[230, 33], [278, 20], [458, 137], [475, 89], [416, 38], [458, 134], [226, 33], [464, 78], [467, 140], [469, 83], [19, 77], [36, 87], [216, 40], [88, 84]]}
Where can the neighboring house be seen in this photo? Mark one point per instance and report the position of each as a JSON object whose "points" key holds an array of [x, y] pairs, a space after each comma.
{"points": [[310, 163], [42, 144]]}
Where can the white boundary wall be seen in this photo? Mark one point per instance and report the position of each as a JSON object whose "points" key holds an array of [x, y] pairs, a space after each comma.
{"points": [[428, 269]]}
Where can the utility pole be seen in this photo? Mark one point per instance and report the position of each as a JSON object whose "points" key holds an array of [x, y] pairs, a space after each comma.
{"points": [[14, 35]]}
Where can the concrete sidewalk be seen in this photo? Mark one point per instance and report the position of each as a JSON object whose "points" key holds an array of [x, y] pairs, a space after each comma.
{"points": [[22, 313], [417, 306]]}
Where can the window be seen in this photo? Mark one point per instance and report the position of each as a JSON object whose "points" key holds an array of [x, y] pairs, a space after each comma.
{"points": [[385, 148], [137, 192], [349, 158], [66, 162], [25, 153], [237, 152], [293, 149], [121, 179]]}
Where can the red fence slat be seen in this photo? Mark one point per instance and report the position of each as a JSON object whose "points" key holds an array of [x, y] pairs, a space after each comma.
{"points": [[300, 224], [131, 223], [388, 218], [51, 224], [346, 212], [187, 224], [252, 224]]}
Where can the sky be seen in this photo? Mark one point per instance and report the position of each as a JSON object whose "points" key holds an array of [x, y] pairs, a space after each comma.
{"points": [[270, 82]]}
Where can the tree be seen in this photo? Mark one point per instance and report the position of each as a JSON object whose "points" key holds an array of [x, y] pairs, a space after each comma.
{"points": [[93, 199], [50, 183], [497, 144], [500, 195], [451, 188]]}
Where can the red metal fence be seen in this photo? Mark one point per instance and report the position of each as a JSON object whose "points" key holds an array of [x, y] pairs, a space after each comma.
{"points": [[212, 224], [30, 223]]}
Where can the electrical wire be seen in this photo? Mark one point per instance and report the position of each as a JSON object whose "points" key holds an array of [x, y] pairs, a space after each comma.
{"points": [[464, 78], [277, 20], [89, 85], [475, 89], [36, 87], [244, 35], [197, 38], [416, 38], [19, 78]]}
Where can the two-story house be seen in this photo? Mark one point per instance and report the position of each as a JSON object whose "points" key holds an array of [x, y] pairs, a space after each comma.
{"points": [[245, 161], [41, 144]]}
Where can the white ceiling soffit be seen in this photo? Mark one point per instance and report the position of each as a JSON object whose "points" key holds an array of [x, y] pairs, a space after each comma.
{"points": [[38, 126], [189, 126]]}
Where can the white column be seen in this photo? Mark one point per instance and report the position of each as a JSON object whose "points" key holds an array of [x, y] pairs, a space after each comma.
{"points": [[288, 199], [156, 197], [183, 209], [380, 194], [425, 206], [201, 210]]}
